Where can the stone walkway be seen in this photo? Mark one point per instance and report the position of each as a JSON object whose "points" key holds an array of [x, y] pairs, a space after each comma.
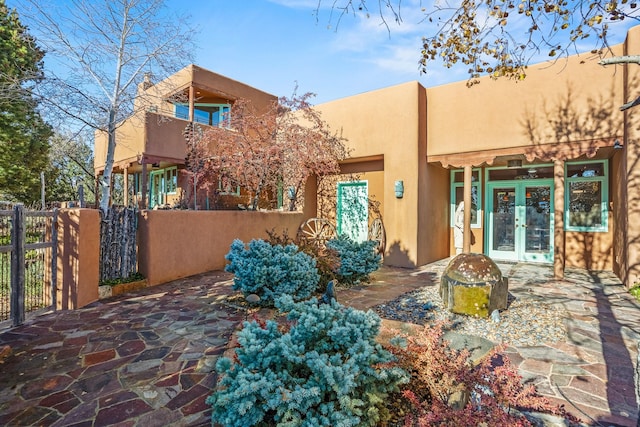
{"points": [[146, 359]]}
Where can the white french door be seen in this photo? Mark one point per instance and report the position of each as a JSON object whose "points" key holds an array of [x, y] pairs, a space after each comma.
{"points": [[520, 220]]}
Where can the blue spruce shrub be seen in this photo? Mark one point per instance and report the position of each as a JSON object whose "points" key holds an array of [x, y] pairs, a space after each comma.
{"points": [[270, 271], [357, 260], [326, 369]]}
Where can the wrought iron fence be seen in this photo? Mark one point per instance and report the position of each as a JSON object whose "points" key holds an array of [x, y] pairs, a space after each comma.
{"points": [[28, 244]]}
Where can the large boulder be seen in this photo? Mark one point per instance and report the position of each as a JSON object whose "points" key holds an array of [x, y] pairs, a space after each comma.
{"points": [[472, 284]]}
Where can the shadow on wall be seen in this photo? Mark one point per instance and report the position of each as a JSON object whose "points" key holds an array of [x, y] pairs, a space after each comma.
{"points": [[569, 119], [396, 256], [69, 251], [571, 127], [588, 250]]}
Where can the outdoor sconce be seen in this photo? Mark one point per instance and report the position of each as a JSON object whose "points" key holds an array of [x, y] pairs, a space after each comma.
{"points": [[617, 145], [399, 187]]}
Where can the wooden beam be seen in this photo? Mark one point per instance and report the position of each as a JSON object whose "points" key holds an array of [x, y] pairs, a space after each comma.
{"points": [[466, 235]]}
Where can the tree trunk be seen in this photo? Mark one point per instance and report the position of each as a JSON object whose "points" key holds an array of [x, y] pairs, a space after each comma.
{"points": [[105, 182]]}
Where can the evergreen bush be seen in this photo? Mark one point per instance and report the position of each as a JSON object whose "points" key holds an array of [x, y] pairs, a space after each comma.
{"points": [[357, 260], [324, 369], [327, 261], [270, 271]]}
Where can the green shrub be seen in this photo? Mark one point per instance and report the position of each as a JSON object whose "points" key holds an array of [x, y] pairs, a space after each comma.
{"points": [[133, 277], [357, 260], [324, 369], [270, 271], [635, 291]]}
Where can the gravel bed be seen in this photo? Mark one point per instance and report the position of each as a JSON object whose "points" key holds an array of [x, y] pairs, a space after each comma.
{"points": [[526, 322]]}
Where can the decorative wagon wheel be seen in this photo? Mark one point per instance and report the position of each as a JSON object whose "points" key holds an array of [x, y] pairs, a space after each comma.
{"points": [[316, 231], [377, 234]]}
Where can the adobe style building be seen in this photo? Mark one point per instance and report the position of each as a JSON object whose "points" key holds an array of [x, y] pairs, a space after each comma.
{"points": [[151, 146], [550, 165]]}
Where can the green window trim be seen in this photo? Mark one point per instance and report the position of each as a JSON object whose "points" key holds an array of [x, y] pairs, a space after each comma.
{"points": [[457, 188], [591, 179], [228, 189], [171, 177]]}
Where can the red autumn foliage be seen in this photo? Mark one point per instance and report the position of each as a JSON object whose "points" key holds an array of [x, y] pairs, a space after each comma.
{"points": [[493, 387], [280, 147]]}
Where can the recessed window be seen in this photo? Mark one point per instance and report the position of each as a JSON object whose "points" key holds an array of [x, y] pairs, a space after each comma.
{"points": [[457, 195], [586, 196], [208, 114]]}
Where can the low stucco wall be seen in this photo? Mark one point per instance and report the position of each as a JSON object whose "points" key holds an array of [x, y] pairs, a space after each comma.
{"points": [[78, 258], [173, 244]]}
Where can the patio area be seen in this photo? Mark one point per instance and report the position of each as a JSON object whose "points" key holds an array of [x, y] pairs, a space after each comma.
{"points": [[146, 359]]}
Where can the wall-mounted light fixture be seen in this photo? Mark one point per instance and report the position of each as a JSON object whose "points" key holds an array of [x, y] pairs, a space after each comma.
{"points": [[399, 188], [515, 163], [617, 145]]}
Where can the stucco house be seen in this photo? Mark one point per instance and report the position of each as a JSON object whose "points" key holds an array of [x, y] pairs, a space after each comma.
{"points": [[550, 164], [151, 147]]}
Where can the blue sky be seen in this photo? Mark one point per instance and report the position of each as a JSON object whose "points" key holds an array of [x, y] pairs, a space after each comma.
{"points": [[272, 44]]}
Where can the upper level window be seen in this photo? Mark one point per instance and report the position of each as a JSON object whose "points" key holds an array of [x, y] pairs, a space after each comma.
{"points": [[586, 196], [457, 195], [208, 114]]}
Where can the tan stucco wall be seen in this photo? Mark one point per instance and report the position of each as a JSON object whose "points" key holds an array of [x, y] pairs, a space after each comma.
{"points": [[589, 250], [491, 115], [386, 123], [629, 264], [173, 244], [573, 100], [158, 134], [78, 258], [130, 138], [224, 88]]}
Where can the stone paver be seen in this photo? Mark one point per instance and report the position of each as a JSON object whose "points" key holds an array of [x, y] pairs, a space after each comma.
{"points": [[147, 359], [133, 360]]}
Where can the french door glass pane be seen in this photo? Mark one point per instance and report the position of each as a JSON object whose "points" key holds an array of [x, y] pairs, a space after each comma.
{"points": [[538, 215], [504, 210]]}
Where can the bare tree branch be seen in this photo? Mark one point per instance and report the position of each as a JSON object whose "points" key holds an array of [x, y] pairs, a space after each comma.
{"points": [[102, 49]]}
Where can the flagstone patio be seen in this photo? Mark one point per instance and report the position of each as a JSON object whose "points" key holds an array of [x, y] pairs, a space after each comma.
{"points": [[146, 358]]}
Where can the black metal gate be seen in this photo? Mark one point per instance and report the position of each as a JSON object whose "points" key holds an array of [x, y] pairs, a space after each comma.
{"points": [[28, 252]]}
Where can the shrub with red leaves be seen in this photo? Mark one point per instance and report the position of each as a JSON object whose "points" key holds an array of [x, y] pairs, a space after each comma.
{"points": [[488, 391]]}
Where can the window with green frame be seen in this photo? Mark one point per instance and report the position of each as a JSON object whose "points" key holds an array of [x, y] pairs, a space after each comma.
{"points": [[226, 188], [457, 195], [586, 196], [171, 180]]}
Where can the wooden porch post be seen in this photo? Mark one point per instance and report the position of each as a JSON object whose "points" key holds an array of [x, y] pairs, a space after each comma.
{"points": [[192, 102], [466, 235], [558, 215], [143, 185], [126, 186]]}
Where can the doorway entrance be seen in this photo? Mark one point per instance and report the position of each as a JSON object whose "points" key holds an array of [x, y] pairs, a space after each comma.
{"points": [[520, 220], [156, 188], [353, 210]]}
